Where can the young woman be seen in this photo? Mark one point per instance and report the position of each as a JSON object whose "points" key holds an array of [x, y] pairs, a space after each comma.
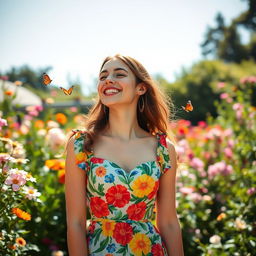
{"points": [[122, 168]]}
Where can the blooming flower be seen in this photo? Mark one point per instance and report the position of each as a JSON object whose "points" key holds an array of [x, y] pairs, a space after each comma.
{"points": [[55, 164], [3, 122], [109, 178], [108, 227], [123, 233], [9, 93], [15, 180], [140, 244], [240, 224], [143, 185], [101, 171], [61, 118], [251, 191], [215, 239], [118, 196], [21, 214], [20, 241], [157, 250], [111, 248], [56, 138], [136, 211], [4, 157], [31, 193], [219, 168], [99, 207], [197, 163]]}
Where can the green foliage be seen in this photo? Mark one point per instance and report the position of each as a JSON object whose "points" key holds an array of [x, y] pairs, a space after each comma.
{"points": [[224, 42], [200, 85]]}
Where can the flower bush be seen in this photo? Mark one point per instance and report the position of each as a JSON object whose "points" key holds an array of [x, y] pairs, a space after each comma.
{"points": [[216, 181]]}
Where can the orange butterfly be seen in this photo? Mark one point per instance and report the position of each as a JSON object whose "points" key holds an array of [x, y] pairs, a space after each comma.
{"points": [[188, 107], [69, 91], [46, 79]]}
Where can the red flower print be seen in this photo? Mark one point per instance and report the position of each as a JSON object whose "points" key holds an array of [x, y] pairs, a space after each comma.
{"points": [[91, 227], [97, 160], [157, 250], [136, 211], [123, 233], [163, 140], [99, 207], [118, 196], [152, 194]]}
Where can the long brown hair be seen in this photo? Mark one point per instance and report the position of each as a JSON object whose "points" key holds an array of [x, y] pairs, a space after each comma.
{"points": [[158, 110]]}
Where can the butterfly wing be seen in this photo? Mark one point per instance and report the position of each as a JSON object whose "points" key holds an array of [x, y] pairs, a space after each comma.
{"points": [[46, 79], [188, 107], [70, 90], [64, 90]]}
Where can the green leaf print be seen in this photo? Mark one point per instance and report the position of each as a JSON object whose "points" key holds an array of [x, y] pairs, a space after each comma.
{"points": [[111, 208], [143, 225], [101, 189], [123, 249], [103, 245], [96, 235]]}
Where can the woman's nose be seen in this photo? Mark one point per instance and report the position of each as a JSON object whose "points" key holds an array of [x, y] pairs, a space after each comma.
{"points": [[108, 81]]}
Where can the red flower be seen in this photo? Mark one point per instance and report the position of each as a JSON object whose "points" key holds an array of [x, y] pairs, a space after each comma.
{"points": [[136, 211], [118, 195], [97, 160], [123, 233], [91, 227], [152, 194], [99, 207], [157, 250], [163, 140]]}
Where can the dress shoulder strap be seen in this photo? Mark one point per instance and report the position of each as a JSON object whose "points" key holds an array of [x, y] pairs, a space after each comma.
{"points": [[80, 153], [163, 156]]}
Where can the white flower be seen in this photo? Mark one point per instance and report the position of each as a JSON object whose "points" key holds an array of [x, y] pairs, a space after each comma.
{"points": [[215, 239], [41, 132], [31, 193], [240, 224]]}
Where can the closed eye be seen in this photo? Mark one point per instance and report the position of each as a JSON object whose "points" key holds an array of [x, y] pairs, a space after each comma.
{"points": [[117, 75]]}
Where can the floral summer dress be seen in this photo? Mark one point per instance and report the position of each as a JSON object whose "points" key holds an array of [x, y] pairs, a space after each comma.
{"points": [[121, 204]]}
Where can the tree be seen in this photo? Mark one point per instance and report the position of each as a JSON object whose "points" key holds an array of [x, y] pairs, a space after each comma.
{"points": [[224, 42]]}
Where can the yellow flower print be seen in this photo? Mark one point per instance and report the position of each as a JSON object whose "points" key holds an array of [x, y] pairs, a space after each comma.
{"points": [[143, 185], [140, 243], [80, 157], [108, 227], [101, 171]]}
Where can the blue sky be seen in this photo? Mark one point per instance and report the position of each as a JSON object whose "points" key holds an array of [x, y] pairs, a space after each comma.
{"points": [[75, 36]]}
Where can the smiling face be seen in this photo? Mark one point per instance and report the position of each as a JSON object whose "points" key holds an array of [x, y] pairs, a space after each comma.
{"points": [[117, 75]]}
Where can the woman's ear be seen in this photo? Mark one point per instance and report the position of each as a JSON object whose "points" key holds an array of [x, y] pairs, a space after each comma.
{"points": [[142, 88]]}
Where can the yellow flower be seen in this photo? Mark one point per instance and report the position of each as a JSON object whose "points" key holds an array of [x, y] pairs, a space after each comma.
{"points": [[108, 227], [101, 171], [140, 243], [55, 164], [80, 157], [143, 185]]}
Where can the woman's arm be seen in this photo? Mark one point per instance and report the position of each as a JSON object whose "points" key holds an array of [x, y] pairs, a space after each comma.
{"points": [[166, 218], [75, 194]]}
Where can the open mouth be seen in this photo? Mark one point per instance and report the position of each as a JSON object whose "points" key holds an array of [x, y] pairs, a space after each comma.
{"points": [[111, 91]]}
